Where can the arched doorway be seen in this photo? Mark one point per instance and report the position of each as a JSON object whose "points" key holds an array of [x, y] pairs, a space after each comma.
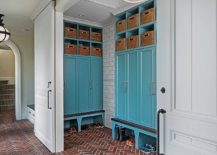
{"points": [[17, 55]]}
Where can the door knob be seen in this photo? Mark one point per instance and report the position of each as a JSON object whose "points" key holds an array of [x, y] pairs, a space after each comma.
{"points": [[163, 90]]}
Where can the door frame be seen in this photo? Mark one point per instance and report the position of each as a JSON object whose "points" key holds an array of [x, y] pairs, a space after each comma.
{"points": [[17, 55]]}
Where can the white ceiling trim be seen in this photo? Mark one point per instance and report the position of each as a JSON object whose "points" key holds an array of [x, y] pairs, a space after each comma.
{"points": [[123, 9], [82, 21], [103, 4], [39, 8], [64, 5]]}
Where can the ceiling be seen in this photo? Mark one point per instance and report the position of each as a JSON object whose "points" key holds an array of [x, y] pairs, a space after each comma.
{"points": [[17, 14], [99, 11]]}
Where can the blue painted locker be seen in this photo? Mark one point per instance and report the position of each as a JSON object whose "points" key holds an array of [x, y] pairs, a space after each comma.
{"points": [[96, 84], [135, 84], [83, 80], [147, 90], [121, 84], [133, 91], [70, 106]]}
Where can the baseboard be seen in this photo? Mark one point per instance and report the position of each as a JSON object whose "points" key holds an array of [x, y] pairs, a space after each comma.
{"points": [[24, 116]]}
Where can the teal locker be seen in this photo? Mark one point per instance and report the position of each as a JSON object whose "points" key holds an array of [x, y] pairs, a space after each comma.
{"points": [[96, 84], [133, 94], [135, 86], [70, 106], [147, 93], [121, 83], [83, 80]]}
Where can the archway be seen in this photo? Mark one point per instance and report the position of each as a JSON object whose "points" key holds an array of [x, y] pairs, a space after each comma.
{"points": [[17, 55]]}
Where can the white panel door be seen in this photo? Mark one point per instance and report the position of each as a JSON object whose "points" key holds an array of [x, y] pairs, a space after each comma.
{"points": [[187, 69], [44, 77]]}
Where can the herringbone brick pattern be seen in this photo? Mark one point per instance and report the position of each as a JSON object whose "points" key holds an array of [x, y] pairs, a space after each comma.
{"points": [[17, 138]]}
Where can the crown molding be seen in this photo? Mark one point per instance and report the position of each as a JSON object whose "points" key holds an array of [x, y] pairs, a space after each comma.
{"points": [[102, 4], [40, 8], [83, 21], [64, 5], [125, 8]]}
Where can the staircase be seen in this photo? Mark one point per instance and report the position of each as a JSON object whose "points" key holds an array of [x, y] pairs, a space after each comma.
{"points": [[7, 96]]}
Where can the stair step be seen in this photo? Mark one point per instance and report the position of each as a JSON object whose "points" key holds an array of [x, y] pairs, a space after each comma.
{"points": [[7, 107], [3, 82], [7, 102], [7, 91], [7, 96], [7, 86]]}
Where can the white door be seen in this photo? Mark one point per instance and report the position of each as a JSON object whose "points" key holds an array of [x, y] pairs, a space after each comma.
{"points": [[187, 69], [44, 77]]}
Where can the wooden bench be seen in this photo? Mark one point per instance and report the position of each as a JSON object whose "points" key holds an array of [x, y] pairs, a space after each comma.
{"points": [[137, 129], [80, 116]]}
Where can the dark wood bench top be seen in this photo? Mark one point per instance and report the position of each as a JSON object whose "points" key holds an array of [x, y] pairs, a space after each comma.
{"points": [[134, 125], [84, 113], [32, 106]]}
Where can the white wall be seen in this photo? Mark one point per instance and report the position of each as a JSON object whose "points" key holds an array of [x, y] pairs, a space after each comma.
{"points": [[25, 44], [109, 73], [7, 66]]}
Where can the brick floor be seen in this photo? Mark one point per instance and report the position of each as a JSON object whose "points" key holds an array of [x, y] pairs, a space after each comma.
{"points": [[17, 138]]}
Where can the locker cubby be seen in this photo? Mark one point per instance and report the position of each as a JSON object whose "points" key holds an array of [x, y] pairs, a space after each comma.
{"points": [[132, 11], [83, 27], [85, 42], [121, 23], [83, 80], [133, 32], [70, 41], [121, 35], [71, 25], [96, 49], [148, 5], [133, 18], [135, 72], [96, 34], [141, 28], [96, 45], [93, 29]]}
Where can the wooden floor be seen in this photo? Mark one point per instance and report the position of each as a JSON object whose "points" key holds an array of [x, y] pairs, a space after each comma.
{"points": [[17, 138]]}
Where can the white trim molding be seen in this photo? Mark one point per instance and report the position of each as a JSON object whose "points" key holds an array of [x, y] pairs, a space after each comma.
{"points": [[17, 55], [123, 9], [82, 21], [40, 8], [64, 5]]}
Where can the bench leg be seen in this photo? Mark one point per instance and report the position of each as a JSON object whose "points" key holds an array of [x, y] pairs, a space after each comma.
{"points": [[114, 130], [103, 119], [137, 140], [79, 119]]}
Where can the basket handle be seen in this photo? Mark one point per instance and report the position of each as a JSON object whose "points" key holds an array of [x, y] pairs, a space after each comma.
{"points": [[120, 23], [146, 12], [132, 39], [84, 32], [146, 35], [71, 29], [131, 18]]}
